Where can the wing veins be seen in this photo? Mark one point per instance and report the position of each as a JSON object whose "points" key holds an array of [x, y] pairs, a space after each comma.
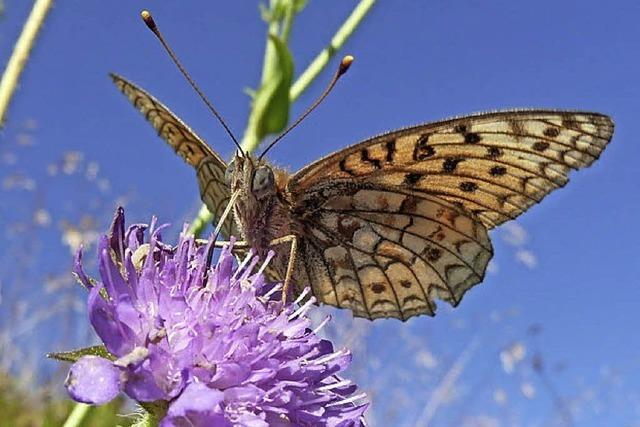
{"points": [[418, 236], [349, 245], [352, 212], [328, 270], [495, 161], [581, 131]]}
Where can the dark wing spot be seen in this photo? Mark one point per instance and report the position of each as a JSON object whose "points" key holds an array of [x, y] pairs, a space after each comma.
{"points": [[433, 254], [494, 152], [347, 227], [409, 204], [391, 150], [498, 170], [450, 165], [412, 178], [551, 132], [540, 146], [378, 288], [364, 156], [472, 138], [571, 124], [461, 128], [468, 186], [422, 149], [343, 167], [405, 283]]}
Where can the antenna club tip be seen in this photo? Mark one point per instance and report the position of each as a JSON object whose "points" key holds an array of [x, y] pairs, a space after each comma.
{"points": [[345, 64], [148, 19]]}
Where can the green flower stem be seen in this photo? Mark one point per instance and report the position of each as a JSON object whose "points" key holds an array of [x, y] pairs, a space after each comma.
{"points": [[287, 23], [338, 40], [79, 412], [249, 141], [20, 54]]}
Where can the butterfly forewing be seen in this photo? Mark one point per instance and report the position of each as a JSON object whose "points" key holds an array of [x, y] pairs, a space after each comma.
{"points": [[210, 168], [495, 165]]}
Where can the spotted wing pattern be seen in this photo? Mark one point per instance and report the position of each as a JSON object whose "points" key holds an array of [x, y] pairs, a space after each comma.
{"points": [[210, 168], [494, 165], [388, 252], [394, 222]]}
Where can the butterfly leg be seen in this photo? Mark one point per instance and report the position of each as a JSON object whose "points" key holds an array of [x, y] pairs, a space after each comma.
{"points": [[293, 240], [240, 244], [237, 245]]}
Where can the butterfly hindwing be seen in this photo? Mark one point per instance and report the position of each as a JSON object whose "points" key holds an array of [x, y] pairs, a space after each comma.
{"points": [[210, 168], [496, 165], [385, 252]]}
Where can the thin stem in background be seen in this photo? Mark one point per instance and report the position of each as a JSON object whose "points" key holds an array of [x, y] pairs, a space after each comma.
{"points": [[79, 412], [448, 381], [336, 43], [20, 54]]}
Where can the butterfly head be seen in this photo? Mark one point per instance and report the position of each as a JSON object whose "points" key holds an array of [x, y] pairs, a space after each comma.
{"points": [[252, 177]]}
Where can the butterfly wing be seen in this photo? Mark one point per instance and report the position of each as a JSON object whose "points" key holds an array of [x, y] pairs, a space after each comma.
{"points": [[210, 168], [384, 251], [430, 189]]}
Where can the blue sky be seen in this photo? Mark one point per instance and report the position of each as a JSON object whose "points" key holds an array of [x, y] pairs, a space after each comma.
{"points": [[415, 62]]}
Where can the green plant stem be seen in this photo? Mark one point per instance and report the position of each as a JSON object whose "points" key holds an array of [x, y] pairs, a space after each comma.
{"points": [[287, 23], [249, 140], [79, 412], [250, 143], [337, 41], [20, 53]]}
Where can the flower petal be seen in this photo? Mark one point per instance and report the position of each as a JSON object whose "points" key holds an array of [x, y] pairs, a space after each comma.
{"points": [[198, 405], [93, 380], [118, 338]]}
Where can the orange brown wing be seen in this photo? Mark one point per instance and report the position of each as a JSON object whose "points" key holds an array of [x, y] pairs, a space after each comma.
{"points": [[400, 219], [210, 168], [387, 252], [495, 165]]}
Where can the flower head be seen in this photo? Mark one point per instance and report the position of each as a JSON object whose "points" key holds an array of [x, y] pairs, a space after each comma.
{"points": [[207, 342]]}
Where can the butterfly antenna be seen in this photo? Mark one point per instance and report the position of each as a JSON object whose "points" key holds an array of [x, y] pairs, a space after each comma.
{"points": [[344, 66], [151, 24]]}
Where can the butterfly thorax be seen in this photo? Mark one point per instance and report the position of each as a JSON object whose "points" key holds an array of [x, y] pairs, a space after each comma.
{"points": [[261, 208]]}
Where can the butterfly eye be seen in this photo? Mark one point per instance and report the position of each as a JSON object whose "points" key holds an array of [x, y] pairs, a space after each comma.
{"points": [[263, 180], [228, 174]]}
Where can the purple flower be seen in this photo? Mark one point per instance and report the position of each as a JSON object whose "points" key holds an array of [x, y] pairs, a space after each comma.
{"points": [[208, 342]]}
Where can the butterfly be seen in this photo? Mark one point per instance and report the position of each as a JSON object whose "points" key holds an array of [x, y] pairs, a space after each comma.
{"points": [[387, 226]]}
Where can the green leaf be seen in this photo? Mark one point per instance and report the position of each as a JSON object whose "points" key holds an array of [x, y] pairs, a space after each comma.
{"points": [[271, 102], [74, 355], [154, 411]]}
